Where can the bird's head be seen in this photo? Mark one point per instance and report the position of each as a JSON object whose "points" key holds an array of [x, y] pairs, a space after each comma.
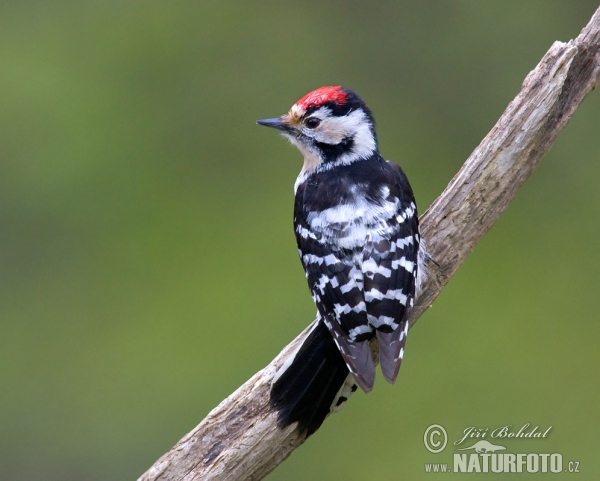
{"points": [[331, 126]]}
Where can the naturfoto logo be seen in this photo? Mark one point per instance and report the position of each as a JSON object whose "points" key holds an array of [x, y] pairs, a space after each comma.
{"points": [[484, 456]]}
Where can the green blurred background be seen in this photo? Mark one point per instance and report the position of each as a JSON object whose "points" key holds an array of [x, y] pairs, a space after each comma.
{"points": [[147, 260]]}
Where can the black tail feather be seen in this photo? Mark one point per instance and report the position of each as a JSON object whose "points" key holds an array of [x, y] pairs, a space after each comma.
{"points": [[305, 391]]}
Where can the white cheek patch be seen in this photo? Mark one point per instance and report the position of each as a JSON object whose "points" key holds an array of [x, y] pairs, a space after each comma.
{"points": [[333, 130], [358, 126]]}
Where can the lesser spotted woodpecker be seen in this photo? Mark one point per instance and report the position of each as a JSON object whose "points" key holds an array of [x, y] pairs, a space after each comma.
{"points": [[357, 231]]}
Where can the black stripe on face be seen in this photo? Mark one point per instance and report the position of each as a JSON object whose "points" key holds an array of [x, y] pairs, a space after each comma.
{"points": [[332, 152]]}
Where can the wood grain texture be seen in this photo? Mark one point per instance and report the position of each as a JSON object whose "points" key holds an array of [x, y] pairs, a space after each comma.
{"points": [[239, 439]]}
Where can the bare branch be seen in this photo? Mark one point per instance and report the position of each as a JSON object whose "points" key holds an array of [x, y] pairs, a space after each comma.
{"points": [[239, 439]]}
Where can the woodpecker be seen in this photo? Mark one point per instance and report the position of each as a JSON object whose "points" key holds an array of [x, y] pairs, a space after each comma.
{"points": [[357, 230]]}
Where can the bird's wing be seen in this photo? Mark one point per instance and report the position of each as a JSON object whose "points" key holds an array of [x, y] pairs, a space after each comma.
{"points": [[389, 271], [335, 284]]}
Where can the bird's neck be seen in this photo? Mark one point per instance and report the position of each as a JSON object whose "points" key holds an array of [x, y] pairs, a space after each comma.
{"points": [[314, 164]]}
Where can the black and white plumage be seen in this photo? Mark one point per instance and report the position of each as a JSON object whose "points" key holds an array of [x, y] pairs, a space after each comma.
{"points": [[356, 227]]}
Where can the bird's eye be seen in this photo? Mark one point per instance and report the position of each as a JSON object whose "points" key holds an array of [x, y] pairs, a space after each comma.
{"points": [[312, 122]]}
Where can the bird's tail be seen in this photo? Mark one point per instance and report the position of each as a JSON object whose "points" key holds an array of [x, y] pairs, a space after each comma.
{"points": [[312, 383]]}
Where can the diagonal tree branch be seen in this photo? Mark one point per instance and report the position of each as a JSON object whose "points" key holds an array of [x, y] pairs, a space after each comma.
{"points": [[239, 439]]}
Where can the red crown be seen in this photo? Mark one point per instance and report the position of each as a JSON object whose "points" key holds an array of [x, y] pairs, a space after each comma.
{"points": [[322, 95]]}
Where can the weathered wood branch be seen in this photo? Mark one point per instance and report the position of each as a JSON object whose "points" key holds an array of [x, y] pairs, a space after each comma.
{"points": [[239, 439]]}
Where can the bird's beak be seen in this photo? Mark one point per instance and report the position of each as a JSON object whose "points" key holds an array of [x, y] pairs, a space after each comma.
{"points": [[276, 123]]}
